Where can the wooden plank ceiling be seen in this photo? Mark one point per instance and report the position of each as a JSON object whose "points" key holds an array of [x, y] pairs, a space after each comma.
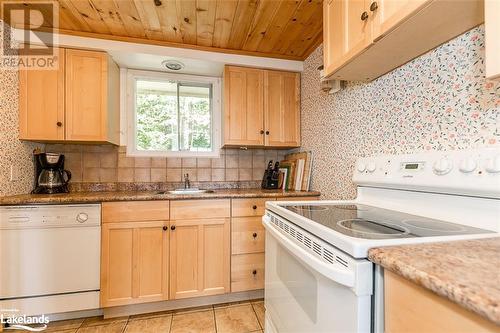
{"points": [[289, 29]]}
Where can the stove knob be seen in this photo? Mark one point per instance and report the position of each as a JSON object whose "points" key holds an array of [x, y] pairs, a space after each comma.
{"points": [[443, 166], [493, 164], [371, 167], [82, 217], [361, 167], [467, 165]]}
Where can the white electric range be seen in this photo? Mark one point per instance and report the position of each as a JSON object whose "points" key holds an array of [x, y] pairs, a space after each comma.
{"points": [[318, 278]]}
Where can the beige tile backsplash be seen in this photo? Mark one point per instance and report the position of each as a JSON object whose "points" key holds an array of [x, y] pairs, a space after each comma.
{"points": [[109, 164]]}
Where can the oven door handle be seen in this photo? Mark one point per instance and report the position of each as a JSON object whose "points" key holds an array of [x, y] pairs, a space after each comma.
{"points": [[335, 272]]}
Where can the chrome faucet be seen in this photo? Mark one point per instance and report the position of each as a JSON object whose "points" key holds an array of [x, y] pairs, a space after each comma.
{"points": [[187, 183]]}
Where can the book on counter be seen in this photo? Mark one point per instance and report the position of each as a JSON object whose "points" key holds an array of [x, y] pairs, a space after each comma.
{"points": [[296, 171]]}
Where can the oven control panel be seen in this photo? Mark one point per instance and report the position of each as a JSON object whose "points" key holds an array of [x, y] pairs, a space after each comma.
{"points": [[473, 172]]}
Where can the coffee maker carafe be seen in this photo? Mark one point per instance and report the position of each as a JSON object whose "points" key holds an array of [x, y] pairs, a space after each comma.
{"points": [[50, 176]]}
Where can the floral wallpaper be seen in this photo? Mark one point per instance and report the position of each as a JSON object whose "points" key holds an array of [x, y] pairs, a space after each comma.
{"points": [[12, 151], [439, 101]]}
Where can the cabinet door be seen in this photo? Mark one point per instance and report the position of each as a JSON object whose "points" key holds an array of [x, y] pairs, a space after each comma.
{"points": [[86, 95], [134, 263], [282, 109], [387, 14], [41, 103], [199, 257], [348, 31], [243, 106], [492, 43]]}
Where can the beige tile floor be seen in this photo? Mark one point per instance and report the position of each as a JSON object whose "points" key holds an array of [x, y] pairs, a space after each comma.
{"points": [[238, 317]]}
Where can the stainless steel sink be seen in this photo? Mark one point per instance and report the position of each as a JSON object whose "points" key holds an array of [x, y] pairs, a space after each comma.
{"points": [[189, 191]]}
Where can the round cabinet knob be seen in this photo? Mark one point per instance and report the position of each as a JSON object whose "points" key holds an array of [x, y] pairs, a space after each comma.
{"points": [[165, 228], [443, 166], [261, 131], [493, 164], [467, 165], [172, 227], [364, 16], [267, 132], [254, 207], [371, 167], [59, 124], [374, 6], [254, 272], [254, 235], [82, 217], [361, 167]]}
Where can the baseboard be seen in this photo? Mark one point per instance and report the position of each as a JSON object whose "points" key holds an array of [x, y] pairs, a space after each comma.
{"points": [[134, 309]]}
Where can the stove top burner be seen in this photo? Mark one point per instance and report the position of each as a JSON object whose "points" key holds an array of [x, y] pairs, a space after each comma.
{"points": [[441, 227], [372, 228], [369, 222], [310, 208]]}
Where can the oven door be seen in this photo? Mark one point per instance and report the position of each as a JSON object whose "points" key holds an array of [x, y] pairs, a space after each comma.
{"points": [[298, 298]]}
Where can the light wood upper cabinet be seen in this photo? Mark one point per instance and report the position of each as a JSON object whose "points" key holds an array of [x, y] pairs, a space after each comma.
{"points": [[282, 109], [199, 257], [261, 107], [492, 34], [79, 102], [243, 106], [348, 28], [134, 262], [90, 95], [363, 40], [388, 13], [41, 103]]}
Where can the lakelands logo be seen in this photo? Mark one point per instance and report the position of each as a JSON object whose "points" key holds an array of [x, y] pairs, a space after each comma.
{"points": [[28, 35], [12, 320]]}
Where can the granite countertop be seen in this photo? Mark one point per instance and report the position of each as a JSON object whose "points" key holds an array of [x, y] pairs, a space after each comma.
{"points": [[465, 272], [81, 197]]}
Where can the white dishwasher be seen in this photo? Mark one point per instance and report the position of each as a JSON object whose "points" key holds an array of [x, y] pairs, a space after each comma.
{"points": [[50, 258]]}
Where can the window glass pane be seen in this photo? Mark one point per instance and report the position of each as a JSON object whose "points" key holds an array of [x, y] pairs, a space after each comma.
{"points": [[195, 121], [156, 115]]}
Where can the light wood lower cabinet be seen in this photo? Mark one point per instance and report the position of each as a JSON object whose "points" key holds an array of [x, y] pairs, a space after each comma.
{"points": [[199, 257], [134, 262], [211, 247], [410, 308]]}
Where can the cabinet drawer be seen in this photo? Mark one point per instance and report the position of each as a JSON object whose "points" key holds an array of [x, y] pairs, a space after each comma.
{"points": [[248, 235], [250, 207], [200, 209], [134, 211], [247, 272]]}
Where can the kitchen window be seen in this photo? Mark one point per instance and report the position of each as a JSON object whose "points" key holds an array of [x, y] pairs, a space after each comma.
{"points": [[173, 115]]}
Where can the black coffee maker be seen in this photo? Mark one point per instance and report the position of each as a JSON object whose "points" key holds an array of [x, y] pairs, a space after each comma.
{"points": [[50, 176]]}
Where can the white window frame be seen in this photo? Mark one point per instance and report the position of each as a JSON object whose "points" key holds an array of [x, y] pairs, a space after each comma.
{"points": [[134, 75]]}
